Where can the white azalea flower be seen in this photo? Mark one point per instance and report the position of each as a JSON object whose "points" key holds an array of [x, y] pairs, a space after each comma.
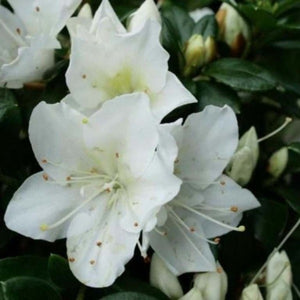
{"points": [[86, 12], [251, 292], [209, 204], [200, 13], [107, 62], [104, 179], [29, 38]]}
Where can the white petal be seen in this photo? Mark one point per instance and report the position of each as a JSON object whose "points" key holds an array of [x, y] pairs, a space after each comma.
{"points": [[209, 139], [97, 257], [39, 202], [199, 13], [226, 194], [86, 12], [44, 16], [180, 248], [173, 95], [55, 132]]}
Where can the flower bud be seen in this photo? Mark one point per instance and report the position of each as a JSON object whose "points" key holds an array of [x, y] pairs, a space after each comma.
{"points": [[244, 161], [251, 292], [197, 53], [279, 277], [233, 29], [278, 161], [162, 278], [86, 12], [147, 11], [213, 285], [199, 13]]}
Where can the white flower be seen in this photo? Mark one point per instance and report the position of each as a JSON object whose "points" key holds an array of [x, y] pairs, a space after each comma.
{"points": [[105, 177], [162, 278], [209, 204], [251, 292], [279, 277], [147, 11], [200, 13], [28, 38], [106, 62], [86, 12]]}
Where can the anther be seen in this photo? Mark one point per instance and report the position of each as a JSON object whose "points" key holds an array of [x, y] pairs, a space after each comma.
{"points": [[234, 208], [219, 270], [85, 121], [136, 224], [37, 9], [192, 229], [18, 31], [45, 176], [44, 161], [44, 227], [68, 178], [217, 240], [176, 161], [241, 228], [92, 262], [71, 259], [108, 190], [117, 155], [222, 182], [99, 244], [83, 76]]}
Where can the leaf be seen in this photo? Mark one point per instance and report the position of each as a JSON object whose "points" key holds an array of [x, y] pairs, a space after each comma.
{"points": [[291, 196], [60, 272], [216, 94], [269, 222], [207, 26], [294, 158], [27, 288], [128, 296], [241, 74], [7, 101]]}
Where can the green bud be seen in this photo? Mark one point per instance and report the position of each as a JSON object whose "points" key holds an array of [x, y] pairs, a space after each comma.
{"points": [[244, 161], [278, 162]]}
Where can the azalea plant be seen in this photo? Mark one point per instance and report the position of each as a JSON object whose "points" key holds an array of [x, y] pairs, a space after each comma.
{"points": [[150, 150]]}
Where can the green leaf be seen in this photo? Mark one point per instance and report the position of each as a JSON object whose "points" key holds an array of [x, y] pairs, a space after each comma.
{"points": [[241, 74], [216, 94], [7, 101], [269, 222], [292, 197], [294, 158], [128, 296], [60, 272], [27, 288], [207, 26]]}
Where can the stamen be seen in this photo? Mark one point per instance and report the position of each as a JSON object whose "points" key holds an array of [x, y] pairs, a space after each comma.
{"points": [[45, 176], [92, 262], [240, 228], [84, 121], [286, 122], [99, 244], [71, 259], [163, 233], [234, 208]]}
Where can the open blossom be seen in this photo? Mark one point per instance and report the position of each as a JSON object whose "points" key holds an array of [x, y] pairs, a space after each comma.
{"points": [[209, 204], [107, 61], [103, 180], [28, 38]]}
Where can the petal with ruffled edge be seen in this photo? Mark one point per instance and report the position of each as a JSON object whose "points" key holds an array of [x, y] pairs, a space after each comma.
{"points": [[44, 16], [55, 132], [206, 144], [40, 202]]}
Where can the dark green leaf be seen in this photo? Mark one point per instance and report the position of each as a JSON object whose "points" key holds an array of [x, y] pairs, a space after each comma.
{"points": [[292, 197], [294, 158], [27, 288], [128, 296], [7, 101], [241, 74], [217, 94], [207, 26]]}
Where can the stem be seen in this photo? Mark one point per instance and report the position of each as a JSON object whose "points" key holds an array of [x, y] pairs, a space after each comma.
{"points": [[81, 293]]}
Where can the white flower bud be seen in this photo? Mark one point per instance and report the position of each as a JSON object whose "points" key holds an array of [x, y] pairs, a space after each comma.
{"points": [[162, 278], [147, 11], [279, 277], [86, 12], [251, 292], [244, 160], [199, 13], [210, 49], [278, 161], [192, 294], [233, 29], [213, 285]]}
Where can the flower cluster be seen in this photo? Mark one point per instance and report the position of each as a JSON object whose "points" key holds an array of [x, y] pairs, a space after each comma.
{"points": [[113, 176]]}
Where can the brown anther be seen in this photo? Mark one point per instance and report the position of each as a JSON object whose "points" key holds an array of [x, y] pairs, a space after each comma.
{"points": [[117, 155], [136, 224], [45, 176], [99, 244], [108, 190], [176, 161], [18, 31], [93, 170], [71, 259], [219, 270], [165, 233], [234, 208], [222, 182], [147, 260], [192, 229], [37, 9], [92, 262], [217, 240], [44, 161], [83, 76], [68, 178]]}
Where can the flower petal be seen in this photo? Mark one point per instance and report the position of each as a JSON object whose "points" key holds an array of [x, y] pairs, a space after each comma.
{"points": [[209, 139], [55, 132], [97, 257], [44, 16], [39, 202]]}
